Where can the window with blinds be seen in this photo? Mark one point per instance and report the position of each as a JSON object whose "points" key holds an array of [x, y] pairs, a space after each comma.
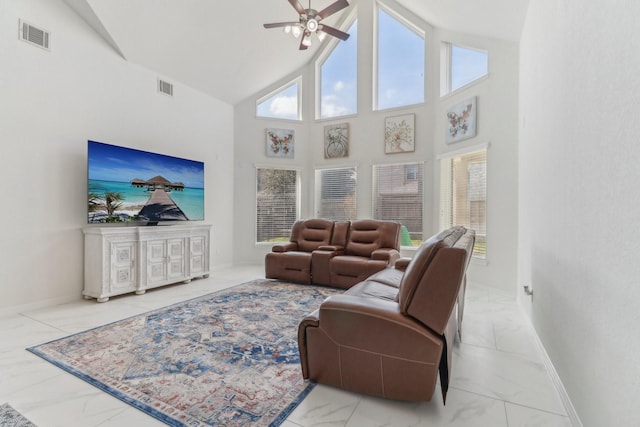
{"points": [[277, 202], [463, 195], [335, 193], [398, 196]]}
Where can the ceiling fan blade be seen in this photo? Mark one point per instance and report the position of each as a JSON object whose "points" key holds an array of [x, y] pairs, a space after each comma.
{"points": [[298, 7], [334, 32], [332, 8], [280, 24]]}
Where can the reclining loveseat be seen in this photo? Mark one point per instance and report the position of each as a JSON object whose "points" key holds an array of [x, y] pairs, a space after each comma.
{"points": [[292, 261], [334, 253], [391, 334]]}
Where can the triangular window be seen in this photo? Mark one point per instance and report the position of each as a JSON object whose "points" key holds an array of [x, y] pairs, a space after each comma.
{"points": [[461, 66], [283, 103]]}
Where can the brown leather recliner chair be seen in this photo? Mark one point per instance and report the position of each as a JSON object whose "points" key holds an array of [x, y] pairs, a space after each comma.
{"points": [[391, 334], [370, 246], [292, 261]]}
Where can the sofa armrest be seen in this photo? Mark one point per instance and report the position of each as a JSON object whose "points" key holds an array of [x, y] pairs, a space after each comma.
{"points": [[332, 248], [377, 326], [320, 259], [291, 246], [386, 254], [402, 264]]}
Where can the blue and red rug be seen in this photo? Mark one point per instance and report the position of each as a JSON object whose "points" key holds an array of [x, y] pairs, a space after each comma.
{"points": [[223, 359]]}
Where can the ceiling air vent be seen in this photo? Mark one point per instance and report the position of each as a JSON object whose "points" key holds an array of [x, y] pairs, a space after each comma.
{"points": [[165, 87], [34, 35]]}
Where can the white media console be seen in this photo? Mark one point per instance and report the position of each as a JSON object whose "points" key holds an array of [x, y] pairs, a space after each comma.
{"points": [[119, 260]]}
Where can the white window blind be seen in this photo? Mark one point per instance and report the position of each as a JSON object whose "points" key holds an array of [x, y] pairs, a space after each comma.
{"points": [[276, 203], [335, 193], [398, 196], [463, 195]]}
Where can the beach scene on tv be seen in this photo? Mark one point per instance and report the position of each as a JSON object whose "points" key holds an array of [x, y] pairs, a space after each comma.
{"points": [[129, 185]]}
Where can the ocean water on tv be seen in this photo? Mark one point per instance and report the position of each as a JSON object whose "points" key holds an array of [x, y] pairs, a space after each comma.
{"points": [[190, 200]]}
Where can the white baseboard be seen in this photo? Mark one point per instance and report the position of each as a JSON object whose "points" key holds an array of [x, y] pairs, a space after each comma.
{"points": [[557, 383]]}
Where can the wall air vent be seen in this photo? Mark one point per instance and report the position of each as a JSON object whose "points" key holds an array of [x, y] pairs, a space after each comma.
{"points": [[165, 87], [34, 35]]}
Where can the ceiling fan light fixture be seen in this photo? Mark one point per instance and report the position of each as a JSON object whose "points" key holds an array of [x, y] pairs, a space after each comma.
{"points": [[312, 25], [310, 22], [307, 40]]}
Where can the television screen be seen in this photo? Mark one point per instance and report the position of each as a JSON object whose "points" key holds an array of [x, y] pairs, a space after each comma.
{"points": [[129, 185]]}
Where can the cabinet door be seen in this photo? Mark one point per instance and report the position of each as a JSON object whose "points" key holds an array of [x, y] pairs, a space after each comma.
{"points": [[156, 261], [197, 255], [123, 267], [175, 262]]}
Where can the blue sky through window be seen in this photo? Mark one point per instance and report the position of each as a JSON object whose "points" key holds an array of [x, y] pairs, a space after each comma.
{"points": [[400, 63], [281, 105], [467, 65], [339, 78]]}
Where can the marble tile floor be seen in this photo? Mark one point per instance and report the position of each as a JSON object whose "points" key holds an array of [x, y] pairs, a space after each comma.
{"points": [[498, 374]]}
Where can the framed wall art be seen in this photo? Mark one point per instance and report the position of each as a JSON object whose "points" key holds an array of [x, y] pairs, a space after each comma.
{"points": [[461, 120], [399, 134], [336, 141], [280, 143]]}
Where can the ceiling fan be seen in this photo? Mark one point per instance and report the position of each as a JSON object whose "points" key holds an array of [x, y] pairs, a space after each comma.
{"points": [[309, 23]]}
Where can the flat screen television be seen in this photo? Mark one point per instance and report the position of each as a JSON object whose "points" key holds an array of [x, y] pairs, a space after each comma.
{"points": [[126, 185]]}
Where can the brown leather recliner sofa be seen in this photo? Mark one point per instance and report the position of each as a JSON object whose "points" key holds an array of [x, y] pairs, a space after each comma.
{"points": [[292, 261], [391, 334], [335, 253]]}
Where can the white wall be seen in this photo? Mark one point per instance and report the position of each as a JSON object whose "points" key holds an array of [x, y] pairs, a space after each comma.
{"points": [[52, 102], [497, 115], [579, 200]]}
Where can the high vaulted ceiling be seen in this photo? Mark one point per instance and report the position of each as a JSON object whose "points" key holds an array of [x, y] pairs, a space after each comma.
{"points": [[221, 48]]}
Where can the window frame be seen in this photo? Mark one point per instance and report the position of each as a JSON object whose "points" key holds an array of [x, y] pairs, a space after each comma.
{"points": [[446, 68], [379, 5], [262, 99], [446, 202], [421, 185], [331, 45], [317, 190], [298, 204]]}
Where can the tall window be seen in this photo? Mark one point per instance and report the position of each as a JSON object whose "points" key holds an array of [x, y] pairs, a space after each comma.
{"points": [[339, 78], [276, 203], [400, 69], [463, 195], [335, 193], [398, 196], [283, 103], [461, 66]]}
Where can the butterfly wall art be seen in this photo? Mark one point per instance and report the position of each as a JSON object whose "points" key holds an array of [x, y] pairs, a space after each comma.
{"points": [[280, 143], [461, 120]]}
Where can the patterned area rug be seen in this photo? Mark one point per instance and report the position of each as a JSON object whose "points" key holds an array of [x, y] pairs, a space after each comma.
{"points": [[9, 417], [224, 359]]}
